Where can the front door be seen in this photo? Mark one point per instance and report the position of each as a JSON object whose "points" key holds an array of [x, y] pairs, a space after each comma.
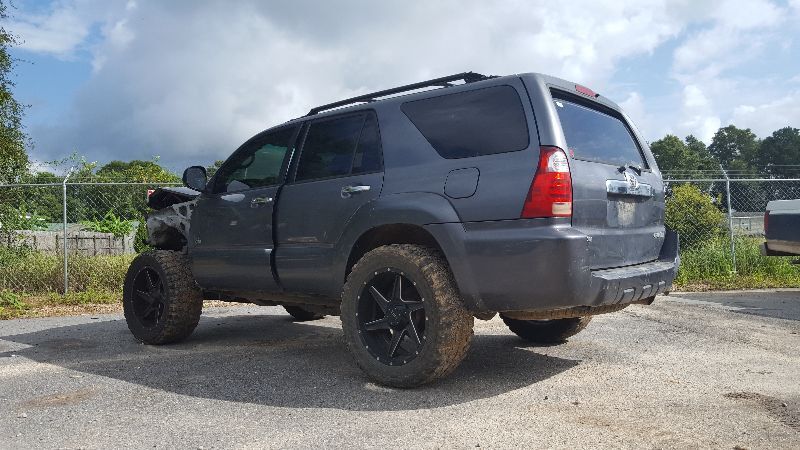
{"points": [[339, 171], [231, 236]]}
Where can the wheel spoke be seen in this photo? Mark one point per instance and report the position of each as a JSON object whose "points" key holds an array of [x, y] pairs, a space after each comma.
{"points": [[380, 324], [396, 338], [151, 309], [397, 289], [411, 329], [379, 298], [150, 281], [414, 306], [146, 296]]}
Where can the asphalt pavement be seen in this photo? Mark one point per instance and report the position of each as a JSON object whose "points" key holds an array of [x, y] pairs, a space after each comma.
{"points": [[716, 370]]}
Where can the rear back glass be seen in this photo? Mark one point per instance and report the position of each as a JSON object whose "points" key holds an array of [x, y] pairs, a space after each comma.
{"points": [[595, 136]]}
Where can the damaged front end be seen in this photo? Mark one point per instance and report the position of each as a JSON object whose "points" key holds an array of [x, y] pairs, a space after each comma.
{"points": [[168, 226]]}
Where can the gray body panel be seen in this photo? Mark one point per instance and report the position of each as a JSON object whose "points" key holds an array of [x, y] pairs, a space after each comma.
{"points": [[230, 241], [783, 232], [471, 207]]}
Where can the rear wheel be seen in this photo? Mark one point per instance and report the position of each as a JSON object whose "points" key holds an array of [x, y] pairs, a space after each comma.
{"points": [[161, 301], [402, 316], [301, 314], [547, 331]]}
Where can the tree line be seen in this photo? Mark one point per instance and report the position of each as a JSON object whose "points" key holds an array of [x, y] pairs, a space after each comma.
{"points": [[738, 150]]}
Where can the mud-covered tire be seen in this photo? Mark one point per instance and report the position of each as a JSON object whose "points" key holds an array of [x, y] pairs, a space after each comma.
{"points": [[547, 331], [446, 327], [180, 298], [301, 314]]}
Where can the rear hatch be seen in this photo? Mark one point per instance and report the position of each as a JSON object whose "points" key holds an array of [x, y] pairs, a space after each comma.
{"points": [[618, 201]]}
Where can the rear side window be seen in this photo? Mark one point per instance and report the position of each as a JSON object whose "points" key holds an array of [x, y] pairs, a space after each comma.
{"points": [[472, 123], [368, 153], [340, 146], [595, 136]]}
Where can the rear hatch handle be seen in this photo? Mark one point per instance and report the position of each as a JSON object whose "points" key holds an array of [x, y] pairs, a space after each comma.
{"points": [[629, 186]]}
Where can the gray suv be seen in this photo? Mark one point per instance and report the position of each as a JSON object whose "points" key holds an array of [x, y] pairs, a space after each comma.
{"points": [[412, 211]]}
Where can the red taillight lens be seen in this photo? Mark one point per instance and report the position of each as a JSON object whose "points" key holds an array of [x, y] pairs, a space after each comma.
{"points": [[551, 190]]}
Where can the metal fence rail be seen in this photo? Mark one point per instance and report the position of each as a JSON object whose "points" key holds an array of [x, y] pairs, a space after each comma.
{"points": [[65, 208]]}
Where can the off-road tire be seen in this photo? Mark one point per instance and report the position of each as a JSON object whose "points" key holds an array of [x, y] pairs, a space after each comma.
{"points": [[183, 299], [301, 314], [547, 331], [448, 325]]}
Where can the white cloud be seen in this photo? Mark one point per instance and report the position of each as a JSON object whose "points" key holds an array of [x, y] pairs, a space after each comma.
{"points": [[764, 118], [58, 32], [192, 80]]}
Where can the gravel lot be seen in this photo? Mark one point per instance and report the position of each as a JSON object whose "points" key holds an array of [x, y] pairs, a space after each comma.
{"points": [[692, 370]]}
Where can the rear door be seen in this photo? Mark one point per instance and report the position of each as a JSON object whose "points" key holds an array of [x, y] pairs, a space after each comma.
{"points": [[618, 201], [231, 234], [338, 171]]}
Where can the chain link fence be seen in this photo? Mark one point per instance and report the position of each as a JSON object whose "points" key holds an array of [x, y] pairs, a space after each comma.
{"points": [[723, 218], [80, 236], [70, 237]]}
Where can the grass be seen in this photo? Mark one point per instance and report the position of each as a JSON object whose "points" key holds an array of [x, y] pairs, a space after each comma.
{"points": [[708, 266], [29, 281]]}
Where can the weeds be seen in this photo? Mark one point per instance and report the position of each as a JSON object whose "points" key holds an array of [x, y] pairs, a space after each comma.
{"points": [[708, 266]]}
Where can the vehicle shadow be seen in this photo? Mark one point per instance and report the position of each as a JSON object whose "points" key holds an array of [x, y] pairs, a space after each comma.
{"points": [[270, 360]]}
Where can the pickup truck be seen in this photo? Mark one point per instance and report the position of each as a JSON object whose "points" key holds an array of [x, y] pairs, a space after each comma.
{"points": [[782, 228]]}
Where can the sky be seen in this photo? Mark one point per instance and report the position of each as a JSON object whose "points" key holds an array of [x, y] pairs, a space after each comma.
{"points": [[189, 81]]}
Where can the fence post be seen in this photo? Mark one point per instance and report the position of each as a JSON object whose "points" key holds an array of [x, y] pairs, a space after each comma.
{"points": [[64, 197], [730, 216]]}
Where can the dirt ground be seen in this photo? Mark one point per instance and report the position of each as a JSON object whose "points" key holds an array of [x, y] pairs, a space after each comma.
{"points": [[715, 370]]}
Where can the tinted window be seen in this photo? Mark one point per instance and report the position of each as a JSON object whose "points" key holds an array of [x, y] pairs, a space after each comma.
{"points": [[368, 153], [471, 123], [257, 164], [328, 148], [596, 136]]}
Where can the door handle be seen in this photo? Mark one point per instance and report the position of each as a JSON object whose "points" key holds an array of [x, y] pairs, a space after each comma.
{"points": [[258, 201], [347, 191]]}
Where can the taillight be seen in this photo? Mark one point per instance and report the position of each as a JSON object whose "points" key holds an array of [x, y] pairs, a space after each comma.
{"points": [[551, 190]]}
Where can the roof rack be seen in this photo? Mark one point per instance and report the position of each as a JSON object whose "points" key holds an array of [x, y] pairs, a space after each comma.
{"points": [[467, 77]]}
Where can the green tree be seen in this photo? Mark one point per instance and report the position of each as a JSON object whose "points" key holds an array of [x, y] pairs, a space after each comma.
{"points": [[700, 154], [13, 140], [731, 145], [135, 171], [779, 154], [683, 158], [212, 169]]}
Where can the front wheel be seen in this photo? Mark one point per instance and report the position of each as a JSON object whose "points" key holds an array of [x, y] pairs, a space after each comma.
{"points": [[402, 316], [547, 331], [161, 301]]}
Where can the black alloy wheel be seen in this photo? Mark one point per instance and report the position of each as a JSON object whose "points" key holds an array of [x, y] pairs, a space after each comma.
{"points": [[391, 317], [161, 301], [148, 297]]}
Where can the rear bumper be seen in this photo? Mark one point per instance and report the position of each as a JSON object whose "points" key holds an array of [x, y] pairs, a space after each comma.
{"points": [[531, 265], [780, 248]]}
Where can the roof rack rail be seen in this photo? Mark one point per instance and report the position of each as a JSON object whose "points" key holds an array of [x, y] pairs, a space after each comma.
{"points": [[467, 77]]}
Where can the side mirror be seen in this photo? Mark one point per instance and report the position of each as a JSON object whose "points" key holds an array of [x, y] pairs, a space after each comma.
{"points": [[195, 177]]}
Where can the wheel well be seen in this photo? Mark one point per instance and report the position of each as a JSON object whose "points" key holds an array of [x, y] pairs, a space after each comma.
{"points": [[390, 234]]}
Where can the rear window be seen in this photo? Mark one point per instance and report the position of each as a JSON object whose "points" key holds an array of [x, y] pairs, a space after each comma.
{"points": [[595, 136], [472, 123]]}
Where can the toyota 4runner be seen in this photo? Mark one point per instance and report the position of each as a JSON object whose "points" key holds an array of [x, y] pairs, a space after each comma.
{"points": [[411, 211]]}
